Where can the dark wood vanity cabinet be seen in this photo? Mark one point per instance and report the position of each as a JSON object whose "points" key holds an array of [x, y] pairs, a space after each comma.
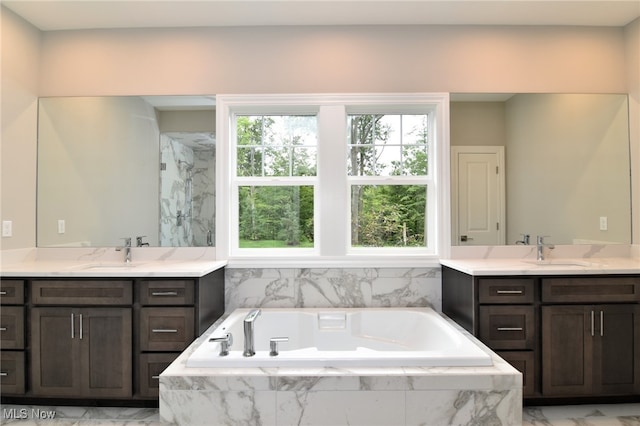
{"points": [[590, 336], [81, 352], [102, 338], [167, 326], [570, 336], [81, 338], [12, 337]]}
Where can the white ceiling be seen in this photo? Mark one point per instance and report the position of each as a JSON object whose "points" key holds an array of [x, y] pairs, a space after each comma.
{"points": [[50, 15]]}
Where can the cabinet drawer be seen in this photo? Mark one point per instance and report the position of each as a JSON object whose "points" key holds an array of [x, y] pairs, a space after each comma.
{"points": [[12, 327], [11, 372], [524, 362], [11, 292], [170, 292], [151, 365], [507, 327], [166, 329], [103, 292], [506, 290], [591, 289]]}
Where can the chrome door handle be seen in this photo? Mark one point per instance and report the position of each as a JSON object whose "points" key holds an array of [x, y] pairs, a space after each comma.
{"points": [[601, 323], [3, 328], [3, 374], [509, 291], [510, 329], [592, 323], [73, 331], [155, 377], [3, 293], [81, 326], [163, 330]]}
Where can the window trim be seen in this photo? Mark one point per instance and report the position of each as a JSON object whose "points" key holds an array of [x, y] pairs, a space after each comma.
{"points": [[335, 239]]}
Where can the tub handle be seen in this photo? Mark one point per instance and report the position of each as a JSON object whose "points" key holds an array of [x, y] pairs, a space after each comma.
{"points": [[273, 344], [225, 341]]}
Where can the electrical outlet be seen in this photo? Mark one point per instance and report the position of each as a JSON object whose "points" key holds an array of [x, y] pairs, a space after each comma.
{"points": [[603, 223], [61, 226], [7, 228]]}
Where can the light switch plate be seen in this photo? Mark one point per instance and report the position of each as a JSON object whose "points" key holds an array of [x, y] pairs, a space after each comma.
{"points": [[603, 223], [7, 228]]}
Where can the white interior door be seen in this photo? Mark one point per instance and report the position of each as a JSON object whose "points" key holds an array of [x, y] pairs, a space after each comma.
{"points": [[478, 206]]}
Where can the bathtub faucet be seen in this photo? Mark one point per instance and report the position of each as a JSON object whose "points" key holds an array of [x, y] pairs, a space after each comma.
{"points": [[248, 332]]}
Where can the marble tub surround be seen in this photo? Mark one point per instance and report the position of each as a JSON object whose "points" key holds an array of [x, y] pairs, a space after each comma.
{"points": [[340, 396], [107, 262], [332, 287]]}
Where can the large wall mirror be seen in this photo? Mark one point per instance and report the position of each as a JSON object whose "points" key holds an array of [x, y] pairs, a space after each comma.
{"points": [[565, 168], [116, 167]]}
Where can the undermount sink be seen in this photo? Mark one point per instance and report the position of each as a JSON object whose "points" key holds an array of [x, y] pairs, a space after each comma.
{"points": [[558, 262], [111, 266]]}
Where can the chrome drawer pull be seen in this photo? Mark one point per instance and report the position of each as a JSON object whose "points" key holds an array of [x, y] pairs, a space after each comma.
{"points": [[3, 374], [73, 334], [163, 330], [3, 293], [164, 293], [510, 328], [155, 377], [509, 291], [592, 323], [3, 328]]}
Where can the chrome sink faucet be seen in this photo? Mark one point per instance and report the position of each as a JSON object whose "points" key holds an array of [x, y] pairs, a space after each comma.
{"points": [[541, 245], [249, 320], [126, 249]]}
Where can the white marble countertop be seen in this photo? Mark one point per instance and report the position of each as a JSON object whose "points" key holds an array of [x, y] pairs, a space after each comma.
{"points": [[106, 262], [552, 266]]}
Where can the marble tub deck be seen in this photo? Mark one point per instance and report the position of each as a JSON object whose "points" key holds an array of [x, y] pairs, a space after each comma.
{"points": [[333, 396]]}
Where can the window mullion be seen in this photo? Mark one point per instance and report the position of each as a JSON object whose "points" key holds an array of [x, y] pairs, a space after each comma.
{"points": [[332, 209]]}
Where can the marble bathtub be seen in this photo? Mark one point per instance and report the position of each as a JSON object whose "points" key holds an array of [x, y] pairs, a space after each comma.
{"points": [[340, 396]]}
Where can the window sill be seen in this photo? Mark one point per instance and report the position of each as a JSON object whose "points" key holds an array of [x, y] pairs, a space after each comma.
{"points": [[331, 262]]}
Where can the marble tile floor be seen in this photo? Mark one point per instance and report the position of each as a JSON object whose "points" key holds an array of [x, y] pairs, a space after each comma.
{"points": [[573, 415]]}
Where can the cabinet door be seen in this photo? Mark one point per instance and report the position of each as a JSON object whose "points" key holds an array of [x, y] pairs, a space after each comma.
{"points": [[54, 352], [566, 348], [81, 352], [616, 355], [106, 352]]}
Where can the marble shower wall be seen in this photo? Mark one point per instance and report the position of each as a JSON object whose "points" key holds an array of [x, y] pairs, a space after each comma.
{"points": [[187, 194], [332, 287]]}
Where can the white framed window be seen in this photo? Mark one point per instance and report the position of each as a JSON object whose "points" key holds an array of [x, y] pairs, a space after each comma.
{"points": [[332, 177]]}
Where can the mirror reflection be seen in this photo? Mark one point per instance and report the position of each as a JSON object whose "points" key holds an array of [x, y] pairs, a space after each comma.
{"points": [[564, 170], [117, 167]]}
